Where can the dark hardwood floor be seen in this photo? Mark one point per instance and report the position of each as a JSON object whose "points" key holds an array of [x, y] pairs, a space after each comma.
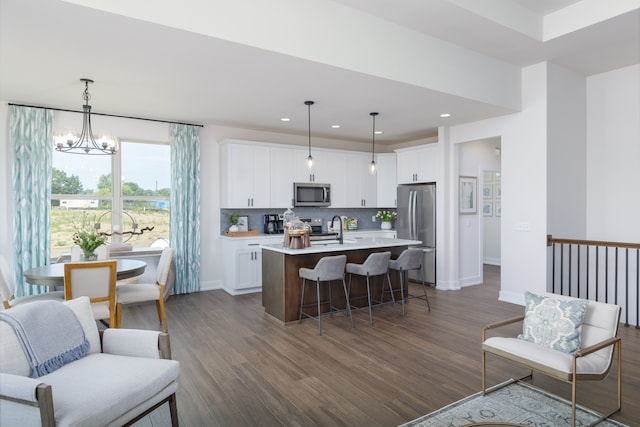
{"points": [[239, 367]]}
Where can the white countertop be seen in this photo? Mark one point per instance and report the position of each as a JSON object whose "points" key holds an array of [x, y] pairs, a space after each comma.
{"points": [[348, 234], [349, 245]]}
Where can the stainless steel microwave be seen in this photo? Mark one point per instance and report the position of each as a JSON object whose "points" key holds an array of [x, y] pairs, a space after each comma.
{"points": [[311, 194]]}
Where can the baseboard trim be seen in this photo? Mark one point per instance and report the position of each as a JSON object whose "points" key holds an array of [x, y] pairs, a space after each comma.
{"points": [[235, 292], [511, 297], [211, 285]]}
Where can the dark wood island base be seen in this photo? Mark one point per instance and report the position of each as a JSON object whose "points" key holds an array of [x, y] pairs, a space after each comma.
{"points": [[281, 286]]}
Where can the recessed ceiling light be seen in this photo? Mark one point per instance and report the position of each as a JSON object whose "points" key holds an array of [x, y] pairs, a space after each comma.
{"points": [[335, 126], [444, 115], [285, 119]]}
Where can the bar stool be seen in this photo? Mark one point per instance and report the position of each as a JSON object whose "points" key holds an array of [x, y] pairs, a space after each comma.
{"points": [[327, 269], [409, 259], [376, 264]]}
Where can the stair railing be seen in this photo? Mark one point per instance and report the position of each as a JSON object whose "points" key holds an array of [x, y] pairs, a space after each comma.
{"points": [[597, 270]]}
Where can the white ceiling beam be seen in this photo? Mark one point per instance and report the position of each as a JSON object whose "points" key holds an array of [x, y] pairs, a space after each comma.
{"points": [[584, 14], [330, 33]]}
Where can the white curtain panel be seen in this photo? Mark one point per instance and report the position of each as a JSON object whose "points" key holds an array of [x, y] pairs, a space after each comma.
{"points": [[30, 146], [185, 206]]}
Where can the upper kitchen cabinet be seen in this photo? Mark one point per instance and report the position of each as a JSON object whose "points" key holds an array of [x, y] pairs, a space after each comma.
{"points": [[321, 170], [244, 175], [417, 164], [339, 180], [386, 177], [282, 176], [360, 184]]}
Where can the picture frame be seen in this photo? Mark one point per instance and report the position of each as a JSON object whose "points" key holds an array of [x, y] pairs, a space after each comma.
{"points": [[467, 195], [487, 191], [498, 209], [487, 209], [243, 223], [498, 191]]}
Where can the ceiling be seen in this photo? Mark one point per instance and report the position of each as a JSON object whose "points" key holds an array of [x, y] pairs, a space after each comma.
{"points": [[161, 71]]}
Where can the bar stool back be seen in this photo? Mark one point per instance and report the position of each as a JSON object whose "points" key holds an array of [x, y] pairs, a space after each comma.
{"points": [[326, 270], [376, 264], [409, 259]]}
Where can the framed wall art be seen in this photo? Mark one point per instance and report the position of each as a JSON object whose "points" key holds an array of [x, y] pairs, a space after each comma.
{"points": [[467, 195], [243, 223], [487, 191], [487, 209]]}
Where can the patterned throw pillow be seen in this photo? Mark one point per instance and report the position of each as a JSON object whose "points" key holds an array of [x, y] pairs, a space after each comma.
{"points": [[553, 323]]}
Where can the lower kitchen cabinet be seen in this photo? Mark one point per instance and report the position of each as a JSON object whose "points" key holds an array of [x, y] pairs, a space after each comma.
{"points": [[243, 263]]}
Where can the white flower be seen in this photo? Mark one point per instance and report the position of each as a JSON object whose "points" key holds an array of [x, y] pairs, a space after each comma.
{"points": [[386, 216]]}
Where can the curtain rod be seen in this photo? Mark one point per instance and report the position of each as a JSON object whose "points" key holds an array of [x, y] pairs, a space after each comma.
{"points": [[108, 115]]}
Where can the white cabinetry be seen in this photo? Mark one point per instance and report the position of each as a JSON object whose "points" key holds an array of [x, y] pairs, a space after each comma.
{"points": [[386, 180], [321, 170], [417, 164], [243, 263], [261, 175], [282, 177], [338, 180], [360, 184], [245, 176]]}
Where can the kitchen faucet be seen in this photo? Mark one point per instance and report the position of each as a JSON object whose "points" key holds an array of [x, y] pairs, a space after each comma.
{"points": [[340, 236]]}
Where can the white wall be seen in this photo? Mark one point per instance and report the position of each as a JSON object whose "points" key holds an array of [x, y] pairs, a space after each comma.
{"points": [[5, 184], [524, 154], [566, 156], [613, 155]]}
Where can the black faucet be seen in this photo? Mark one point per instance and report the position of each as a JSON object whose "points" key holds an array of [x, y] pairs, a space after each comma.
{"points": [[340, 236]]}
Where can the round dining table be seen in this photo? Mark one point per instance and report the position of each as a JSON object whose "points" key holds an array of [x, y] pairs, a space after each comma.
{"points": [[53, 274]]}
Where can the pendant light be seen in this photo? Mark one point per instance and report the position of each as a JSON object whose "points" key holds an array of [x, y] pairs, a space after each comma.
{"points": [[372, 166], [309, 159], [85, 143]]}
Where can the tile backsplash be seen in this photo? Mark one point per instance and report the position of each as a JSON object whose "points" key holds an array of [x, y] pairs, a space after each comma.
{"points": [[256, 216]]}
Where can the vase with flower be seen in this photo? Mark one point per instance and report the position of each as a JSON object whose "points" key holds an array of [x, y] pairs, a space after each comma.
{"points": [[88, 239], [387, 217]]}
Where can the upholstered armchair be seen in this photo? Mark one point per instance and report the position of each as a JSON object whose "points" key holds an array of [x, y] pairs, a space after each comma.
{"points": [[122, 375], [566, 338]]}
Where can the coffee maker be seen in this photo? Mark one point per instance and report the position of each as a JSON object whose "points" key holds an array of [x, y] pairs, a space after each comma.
{"points": [[273, 224]]}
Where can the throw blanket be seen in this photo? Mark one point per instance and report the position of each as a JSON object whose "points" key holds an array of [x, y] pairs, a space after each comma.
{"points": [[50, 334]]}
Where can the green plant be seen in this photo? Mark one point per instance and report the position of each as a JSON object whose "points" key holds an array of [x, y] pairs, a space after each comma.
{"points": [[386, 216], [234, 218], [87, 238]]}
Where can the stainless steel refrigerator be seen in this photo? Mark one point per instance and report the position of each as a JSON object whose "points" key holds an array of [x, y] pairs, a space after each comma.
{"points": [[417, 221]]}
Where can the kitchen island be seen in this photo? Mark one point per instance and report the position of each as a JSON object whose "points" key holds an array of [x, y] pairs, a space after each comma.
{"points": [[281, 288]]}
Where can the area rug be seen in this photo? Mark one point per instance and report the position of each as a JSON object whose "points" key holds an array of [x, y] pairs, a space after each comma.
{"points": [[516, 404]]}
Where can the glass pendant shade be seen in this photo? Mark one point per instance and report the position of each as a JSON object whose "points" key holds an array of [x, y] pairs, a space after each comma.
{"points": [[309, 158], [372, 165]]}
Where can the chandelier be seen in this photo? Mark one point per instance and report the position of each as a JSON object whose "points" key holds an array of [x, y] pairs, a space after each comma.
{"points": [[85, 143]]}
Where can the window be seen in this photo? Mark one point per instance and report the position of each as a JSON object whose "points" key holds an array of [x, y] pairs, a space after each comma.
{"points": [[125, 195]]}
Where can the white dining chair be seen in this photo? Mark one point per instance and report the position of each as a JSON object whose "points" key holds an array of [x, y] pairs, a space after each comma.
{"points": [[8, 289], [147, 292], [96, 280]]}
